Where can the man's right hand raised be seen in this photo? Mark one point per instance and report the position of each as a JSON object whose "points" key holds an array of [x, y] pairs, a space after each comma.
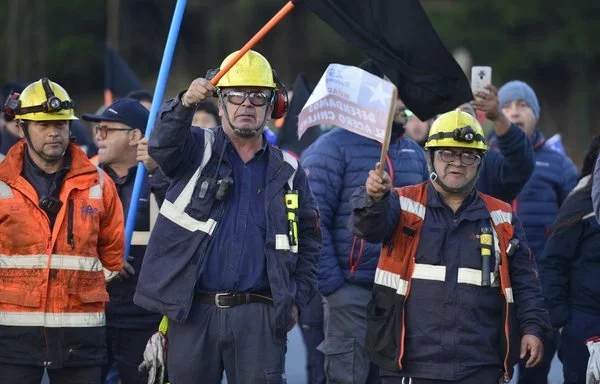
{"points": [[377, 186], [197, 92]]}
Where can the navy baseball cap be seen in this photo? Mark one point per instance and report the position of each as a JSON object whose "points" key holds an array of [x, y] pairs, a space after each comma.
{"points": [[127, 111]]}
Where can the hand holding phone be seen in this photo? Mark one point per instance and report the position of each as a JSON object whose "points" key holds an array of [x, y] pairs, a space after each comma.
{"points": [[481, 77]]}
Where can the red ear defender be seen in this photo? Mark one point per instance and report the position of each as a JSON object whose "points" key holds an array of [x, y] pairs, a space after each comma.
{"points": [[280, 99], [280, 104], [11, 105]]}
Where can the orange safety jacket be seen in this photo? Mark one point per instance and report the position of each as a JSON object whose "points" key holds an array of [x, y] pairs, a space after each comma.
{"points": [[396, 268], [54, 278]]}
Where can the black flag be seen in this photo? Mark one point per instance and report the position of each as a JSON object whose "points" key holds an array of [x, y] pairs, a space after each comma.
{"points": [[399, 37], [287, 137]]}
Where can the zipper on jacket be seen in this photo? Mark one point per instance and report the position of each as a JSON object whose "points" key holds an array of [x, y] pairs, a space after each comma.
{"points": [[70, 238]]}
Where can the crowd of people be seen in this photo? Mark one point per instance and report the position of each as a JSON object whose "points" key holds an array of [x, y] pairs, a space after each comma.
{"points": [[463, 255]]}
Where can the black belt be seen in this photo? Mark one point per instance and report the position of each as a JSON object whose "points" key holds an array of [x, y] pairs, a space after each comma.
{"points": [[226, 300]]}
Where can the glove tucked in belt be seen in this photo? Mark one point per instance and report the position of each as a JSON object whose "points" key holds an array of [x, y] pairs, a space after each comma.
{"points": [[226, 300]]}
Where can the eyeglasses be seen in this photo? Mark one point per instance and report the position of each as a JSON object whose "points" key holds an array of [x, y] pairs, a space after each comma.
{"points": [[257, 99], [466, 158], [103, 130]]}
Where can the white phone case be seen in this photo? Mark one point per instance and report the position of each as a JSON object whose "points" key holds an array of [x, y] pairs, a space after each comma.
{"points": [[480, 78]]}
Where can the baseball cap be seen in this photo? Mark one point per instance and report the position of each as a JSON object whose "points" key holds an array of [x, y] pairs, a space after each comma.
{"points": [[127, 111]]}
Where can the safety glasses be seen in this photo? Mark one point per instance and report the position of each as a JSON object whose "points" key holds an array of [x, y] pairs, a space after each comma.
{"points": [[466, 158], [257, 99]]}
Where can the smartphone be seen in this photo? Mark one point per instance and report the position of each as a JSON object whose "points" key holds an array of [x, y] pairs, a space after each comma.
{"points": [[480, 78]]}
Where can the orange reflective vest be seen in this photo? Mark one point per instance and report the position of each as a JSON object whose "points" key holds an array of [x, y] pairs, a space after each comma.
{"points": [[396, 268], [54, 278]]}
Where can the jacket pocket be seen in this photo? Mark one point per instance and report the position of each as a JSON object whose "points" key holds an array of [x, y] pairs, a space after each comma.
{"points": [[383, 327], [95, 296], [20, 297], [203, 199]]}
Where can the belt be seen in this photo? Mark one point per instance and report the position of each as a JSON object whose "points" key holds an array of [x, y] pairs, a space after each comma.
{"points": [[226, 300]]}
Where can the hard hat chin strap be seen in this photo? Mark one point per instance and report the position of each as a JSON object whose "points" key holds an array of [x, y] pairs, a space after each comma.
{"points": [[433, 176], [25, 128], [245, 133]]}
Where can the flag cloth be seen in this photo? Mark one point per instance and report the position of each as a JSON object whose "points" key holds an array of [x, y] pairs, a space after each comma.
{"points": [[287, 137], [399, 37], [119, 78], [350, 98]]}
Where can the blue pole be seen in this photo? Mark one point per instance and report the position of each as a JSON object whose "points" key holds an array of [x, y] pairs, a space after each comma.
{"points": [[159, 92]]}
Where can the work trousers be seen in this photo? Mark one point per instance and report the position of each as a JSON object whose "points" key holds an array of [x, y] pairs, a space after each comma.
{"points": [[238, 340], [572, 350], [125, 349], [311, 325], [345, 335]]}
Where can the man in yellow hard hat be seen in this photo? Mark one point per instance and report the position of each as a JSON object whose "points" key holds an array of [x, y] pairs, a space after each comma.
{"points": [[61, 231], [454, 273], [232, 258]]}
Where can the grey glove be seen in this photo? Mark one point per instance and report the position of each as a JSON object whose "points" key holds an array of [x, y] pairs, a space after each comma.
{"points": [[593, 368], [155, 357]]}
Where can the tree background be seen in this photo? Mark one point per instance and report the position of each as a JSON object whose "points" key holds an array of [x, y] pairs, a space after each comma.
{"points": [[548, 43]]}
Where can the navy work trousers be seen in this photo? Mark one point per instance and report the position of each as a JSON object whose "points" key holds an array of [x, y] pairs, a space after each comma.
{"points": [[238, 340], [125, 349]]}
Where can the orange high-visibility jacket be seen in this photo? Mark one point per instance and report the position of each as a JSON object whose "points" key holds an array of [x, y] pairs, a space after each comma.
{"points": [[55, 278]]}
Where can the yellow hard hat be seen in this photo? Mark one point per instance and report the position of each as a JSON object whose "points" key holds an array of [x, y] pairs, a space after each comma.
{"points": [[252, 70], [45, 100], [456, 129]]}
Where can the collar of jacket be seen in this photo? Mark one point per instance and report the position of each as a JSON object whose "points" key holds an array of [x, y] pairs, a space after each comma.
{"points": [[276, 165], [12, 166], [472, 208]]}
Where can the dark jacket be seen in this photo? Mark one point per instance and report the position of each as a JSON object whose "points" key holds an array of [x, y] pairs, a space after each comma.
{"points": [[596, 190], [120, 310], [506, 171], [570, 265], [554, 177], [449, 325], [183, 229]]}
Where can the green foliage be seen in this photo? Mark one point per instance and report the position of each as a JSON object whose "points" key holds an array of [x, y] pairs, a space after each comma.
{"points": [[520, 36]]}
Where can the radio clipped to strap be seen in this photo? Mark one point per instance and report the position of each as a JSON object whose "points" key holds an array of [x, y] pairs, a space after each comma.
{"points": [[291, 207], [291, 204]]}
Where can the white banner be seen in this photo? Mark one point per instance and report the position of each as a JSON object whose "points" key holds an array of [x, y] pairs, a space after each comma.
{"points": [[350, 98]]}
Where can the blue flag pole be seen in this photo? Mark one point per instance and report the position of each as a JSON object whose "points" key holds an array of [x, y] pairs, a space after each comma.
{"points": [[159, 92]]}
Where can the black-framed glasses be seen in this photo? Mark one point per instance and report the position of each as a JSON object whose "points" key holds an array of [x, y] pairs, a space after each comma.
{"points": [[258, 99], [466, 158], [103, 130]]}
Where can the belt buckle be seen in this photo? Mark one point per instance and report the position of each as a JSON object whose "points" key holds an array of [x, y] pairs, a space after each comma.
{"points": [[217, 303]]}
